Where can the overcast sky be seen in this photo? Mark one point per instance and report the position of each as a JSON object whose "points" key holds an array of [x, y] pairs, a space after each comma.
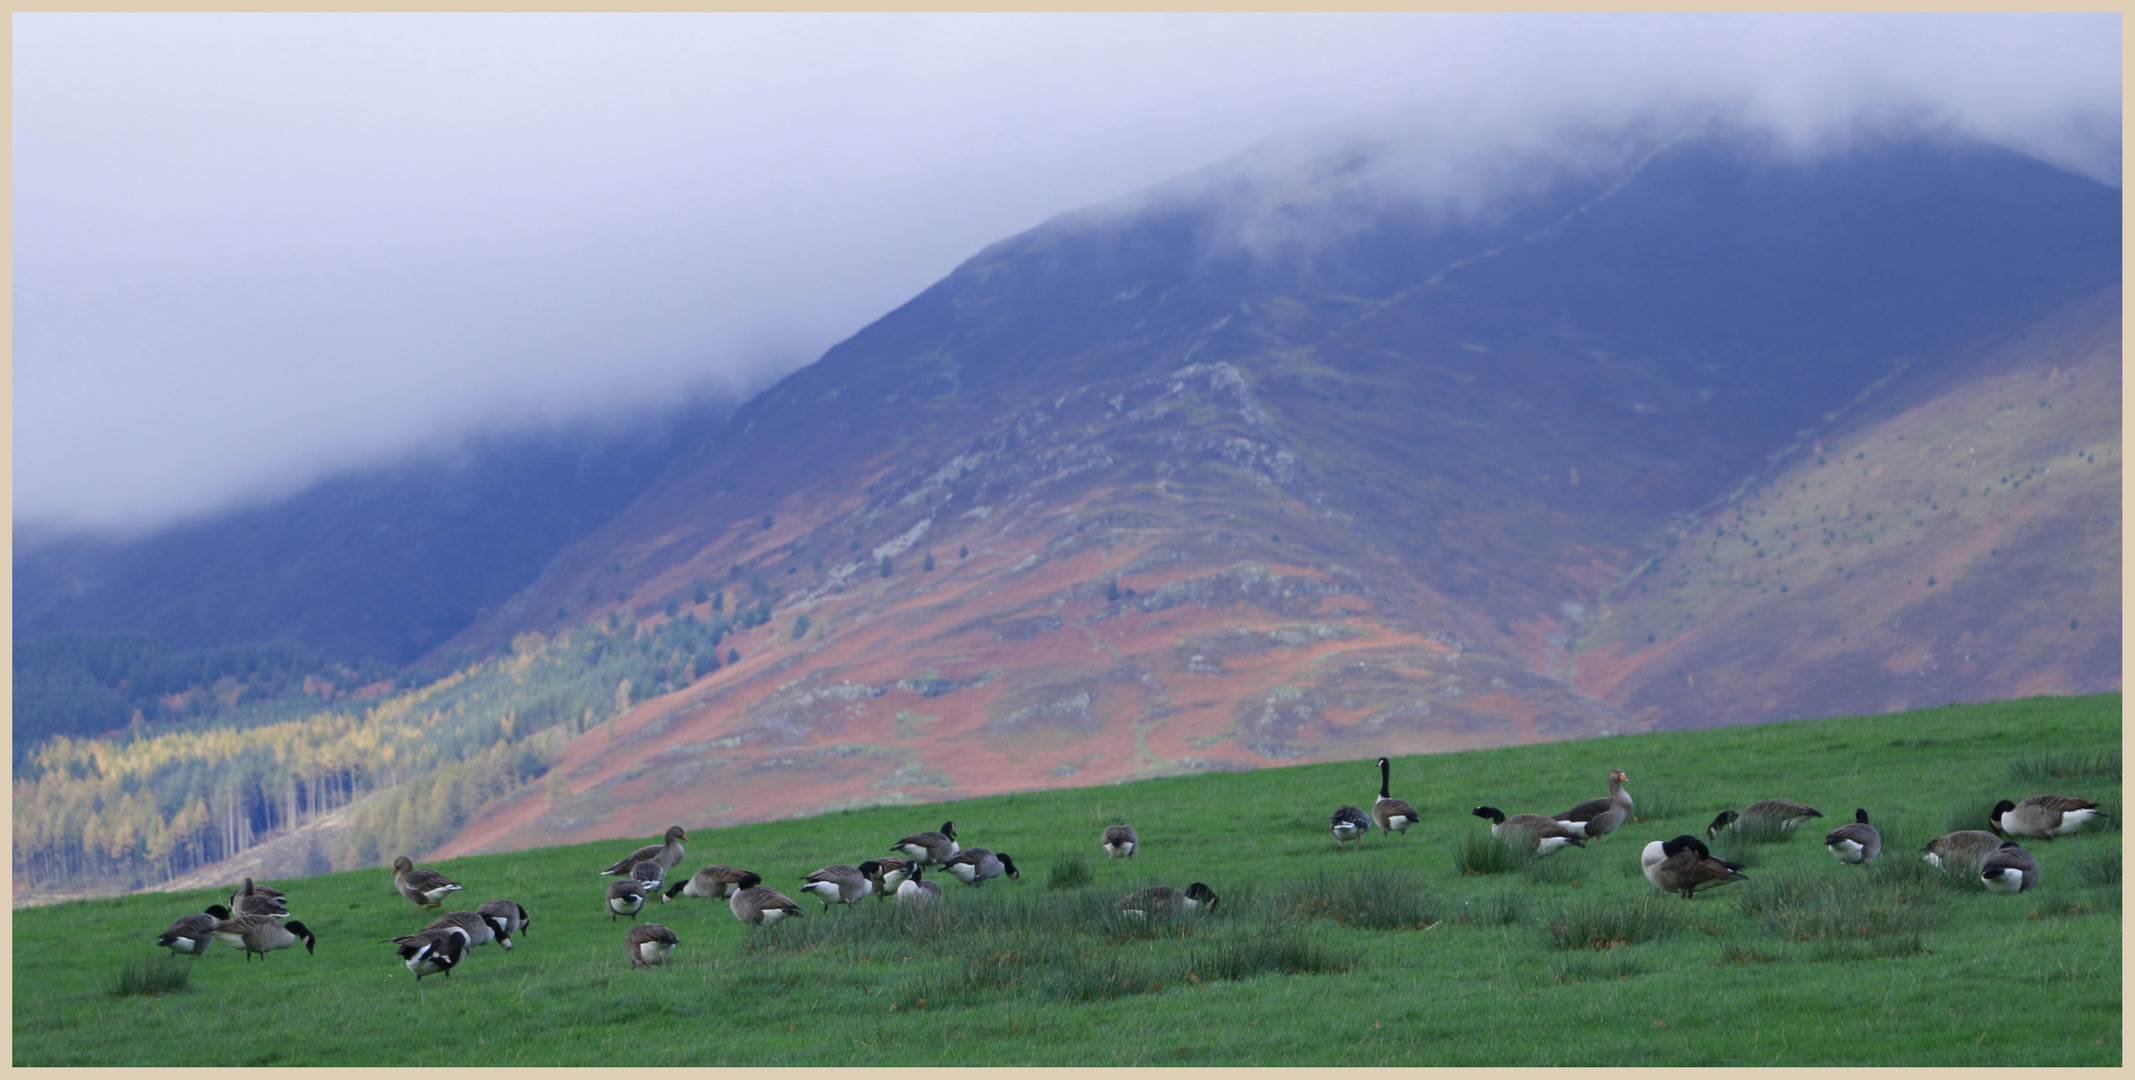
{"points": [[250, 249]]}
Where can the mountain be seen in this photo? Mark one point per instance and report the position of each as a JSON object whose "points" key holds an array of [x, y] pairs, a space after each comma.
{"points": [[1272, 465]]}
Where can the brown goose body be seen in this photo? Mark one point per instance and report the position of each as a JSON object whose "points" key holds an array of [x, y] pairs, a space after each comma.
{"points": [[1599, 817], [839, 884], [917, 891], [1856, 844], [1961, 852], [1684, 866], [668, 853], [1349, 824], [1388, 813], [929, 848], [2043, 817], [1165, 900], [1534, 832], [193, 934], [2010, 869], [514, 917], [432, 952], [263, 934], [423, 888], [1120, 842], [976, 866], [481, 929], [715, 882], [886, 874], [625, 897], [763, 905], [649, 944]]}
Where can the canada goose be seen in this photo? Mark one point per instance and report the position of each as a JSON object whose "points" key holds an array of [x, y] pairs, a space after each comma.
{"points": [[625, 897], [974, 866], [1120, 842], [886, 873], [649, 944], [1350, 824], [1961, 851], [432, 952], [916, 891], [193, 934], [1858, 843], [481, 929], [841, 883], [1541, 835], [2010, 869], [261, 934], [1391, 814], [1165, 900], [930, 848], [252, 888], [762, 905], [650, 874], [261, 904], [514, 917], [1684, 865], [667, 854], [714, 882], [2043, 817], [1596, 818], [423, 888], [1784, 814]]}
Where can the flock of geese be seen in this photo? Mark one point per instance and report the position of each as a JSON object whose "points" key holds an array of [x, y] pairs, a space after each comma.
{"points": [[257, 918]]}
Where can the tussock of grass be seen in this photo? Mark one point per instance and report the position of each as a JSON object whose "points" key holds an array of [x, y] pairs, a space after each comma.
{"points": [[1604, 924], [1372, 899], [1591, 967], [1737, 847], [1482, 853], [1504, 909], [2062, 764], [146, 978], [1048, 971], [1819, 908], [1070, 870], [1881, 948], [1744, 955], [1660, 804], [2097, 867]]}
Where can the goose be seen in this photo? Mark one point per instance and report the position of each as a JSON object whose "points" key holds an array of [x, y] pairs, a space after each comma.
{"points": [[649, 944], [886, 874], [625, 897], [650, 874], [261, 904], [667, 854], [974, 866], [423, 888], [1165, 900], [841, 883], [481, 929], [514, 917], [1391, 814], [714, 882], [930, 848], [1964, 850], [1596, 818], [1684, 865], [1350, 824], [2010, 869], [916, 891], [432, 952], [1786, 814], [1541, 835], [762, 905], [2043, 817], [1120, 842], [1858, 843], [261, 934], [250, 888], [193, 934]]}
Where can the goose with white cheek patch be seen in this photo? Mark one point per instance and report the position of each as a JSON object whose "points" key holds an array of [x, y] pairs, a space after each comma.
{"points": [[915, 890], [1120, 842], [1785, 815], [840, 884], [481, 929], [262, 935], [1539, 834], [1686, 867], [193, 934], [1855, 844], [929, 848], [715, 882], [423, 888], [625, 897], [1598, 817], [1349, 824], [2043, 817], [514, 917], [2010, 869], [886, 874], [976, 866], [1391, 814], [1165, 900], [649, 944], [432, 952], [763, 905], [668, 853]]}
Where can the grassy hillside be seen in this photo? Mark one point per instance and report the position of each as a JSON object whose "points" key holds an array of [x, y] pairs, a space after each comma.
{"points": [[1391, 955]]}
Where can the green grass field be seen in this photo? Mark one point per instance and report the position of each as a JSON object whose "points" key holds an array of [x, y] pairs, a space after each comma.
{"points": [[1393, 955]]}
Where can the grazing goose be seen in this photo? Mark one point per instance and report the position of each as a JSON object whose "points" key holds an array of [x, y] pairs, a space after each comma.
{"points": [[1541, 835], [916, 891], [667, 854], [2010, 869], [715, 882], [262, 934], [250, 888], [974, 866], [886, 874], [625, 897], [481, 929], [1684, 865], [1961, 851], [1596, 818], [841, 883], [432, 952], [423, 888], [262, 904], [1391, 814], [1165, 900], [651, 875], [1857, 843], [193, 934], [929, 848], [514, 917], [1784, 814], [649, 944], [762, 905], [1350, 824], [1120, 842], [2043, 817]]}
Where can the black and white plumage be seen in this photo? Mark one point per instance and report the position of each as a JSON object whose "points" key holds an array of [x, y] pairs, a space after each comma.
{"points": [[929, 848], [668, 853], [1598, 817], [649, 944], [1962, 851], [762, 905], [887, 874], [193, 934], [1686, 867], [423, 888], [432, 952], [839, 884], [1391, 814], [1858, 843], [1165, 900], [715, 882], [263, 934], [1349, 823], [514, 917], [481, 929], [2043, 817], [916, 890], [649, 874], [1120, 842], [625, 897], [2010, 869], [1534, 832], [976, 866]]}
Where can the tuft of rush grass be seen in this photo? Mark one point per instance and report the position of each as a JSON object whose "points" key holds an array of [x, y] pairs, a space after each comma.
{"points": [[1369, 898], [155, 975], [1594, 923], [1660, 803], [1482, 853], [2101, 867], [1596, 967], [2054, 765], [1070, 870]]}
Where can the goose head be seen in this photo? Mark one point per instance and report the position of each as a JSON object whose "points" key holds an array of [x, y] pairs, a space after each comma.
{"points": [[303, 934], [1726, 818], [1492, 813]]}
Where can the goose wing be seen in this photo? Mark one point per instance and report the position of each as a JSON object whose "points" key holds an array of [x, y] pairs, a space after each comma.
{"points": [[623, 865], [2058, 804], [422, 880], [1588, 810]]}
